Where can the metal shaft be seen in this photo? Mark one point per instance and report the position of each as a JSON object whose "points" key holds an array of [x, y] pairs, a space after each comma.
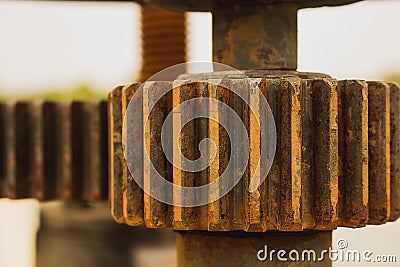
{"points": [[256, 36], [197, 249], [163, 40]]}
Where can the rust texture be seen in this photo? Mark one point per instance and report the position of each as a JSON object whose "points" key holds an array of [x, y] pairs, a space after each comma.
{"points": [[132, 195], [64, 150], [156, 213], [45, 144], [325, 117], [327, 171], [256, 37], [289, 140], [8, 160], [379, 152], [185, 218], [116, 154], [394, 152], [163, 40], [210, 5], [353, 153], [240, 249], [253, 220]]}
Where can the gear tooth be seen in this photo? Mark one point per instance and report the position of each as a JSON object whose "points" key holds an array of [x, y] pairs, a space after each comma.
{"points": [[271, 199], [308, 148], [104, 150], [218, 211], [214, 209], [63, 128], [353, 153], [394, 151], [21, 149], [254, 220], [78, 149], [91, 151], [36, 171], [289, 144], [250, 211], [156, 213], [132, 194], [85, 152], [236, 196], [223, 95], [185, 217], [116, 154], [325, 112], [8, 153], [379, 152], [50, 160], [27, 135], [202, 178]]}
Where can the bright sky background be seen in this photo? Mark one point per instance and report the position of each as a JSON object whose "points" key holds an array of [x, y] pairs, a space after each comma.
{"points": [[45, 45]]}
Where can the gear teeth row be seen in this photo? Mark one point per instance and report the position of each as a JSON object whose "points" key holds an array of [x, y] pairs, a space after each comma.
{"points": [[54, 150], [336, 164]]}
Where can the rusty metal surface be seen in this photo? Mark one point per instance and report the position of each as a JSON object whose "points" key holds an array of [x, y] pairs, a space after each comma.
{"points": [[210, 5], [353, 152], [116, 154], [325, 118], [156, 213], [394, 151], [379, 152], [256, 37], [54, 150], [163, 40], [198, 248], [134, 208], [327, 170]]}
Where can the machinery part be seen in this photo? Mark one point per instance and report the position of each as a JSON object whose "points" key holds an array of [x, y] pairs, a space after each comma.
{"points": [[163, 40], [394, 152], [331, 168], [337, 159], [256, 37], [211, 5], [247, 35], [250, 249], [54, 150]]}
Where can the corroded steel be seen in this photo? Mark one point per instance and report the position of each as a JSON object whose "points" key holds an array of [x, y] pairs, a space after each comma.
{"points": [[156, 213], [54, 150], [353, 152], [379, 152], [256, 37], [322, 176], [247, 35], [236, 249], [131, 195], [394, 152], [163, 40], [210, 5], [116, 153]]}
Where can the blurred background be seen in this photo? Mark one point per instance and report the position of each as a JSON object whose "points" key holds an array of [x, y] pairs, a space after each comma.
{"points": [[63, 47], [81, 50]]}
